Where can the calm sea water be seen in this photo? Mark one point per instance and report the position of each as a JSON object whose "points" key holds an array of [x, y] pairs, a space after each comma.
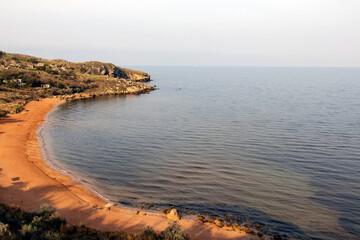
{"points": [[275, 146]]}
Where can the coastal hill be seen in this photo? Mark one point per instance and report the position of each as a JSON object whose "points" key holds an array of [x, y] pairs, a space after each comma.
{"points": [[24, 78]]}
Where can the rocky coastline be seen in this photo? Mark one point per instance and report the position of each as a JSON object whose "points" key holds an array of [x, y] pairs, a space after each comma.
{"points": [[24, 78]]}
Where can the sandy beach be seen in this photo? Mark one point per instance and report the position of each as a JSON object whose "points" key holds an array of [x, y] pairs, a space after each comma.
{"points": [[27, 181]]}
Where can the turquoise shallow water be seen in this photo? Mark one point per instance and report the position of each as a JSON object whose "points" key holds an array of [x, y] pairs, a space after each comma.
{"points": [[278, 146]]}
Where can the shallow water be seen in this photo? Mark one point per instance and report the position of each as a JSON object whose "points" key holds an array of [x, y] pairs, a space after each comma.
{"points": [[278, 146]]}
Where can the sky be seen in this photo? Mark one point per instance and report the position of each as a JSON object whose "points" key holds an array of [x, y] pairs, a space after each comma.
{"points": [[185, 32]]}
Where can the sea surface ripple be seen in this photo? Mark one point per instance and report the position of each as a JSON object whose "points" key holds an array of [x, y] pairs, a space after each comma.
{"points": [[277, 146]]}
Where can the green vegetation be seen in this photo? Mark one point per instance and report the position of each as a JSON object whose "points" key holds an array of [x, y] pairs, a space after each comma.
{"points": [[24, 78], [45, 225]]}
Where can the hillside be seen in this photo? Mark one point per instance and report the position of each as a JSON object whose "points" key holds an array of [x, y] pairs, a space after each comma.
{"points": [[24, 78], [46, 225]]}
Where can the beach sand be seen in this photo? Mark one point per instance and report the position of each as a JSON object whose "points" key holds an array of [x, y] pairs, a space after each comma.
{"points": [[27, 181]]}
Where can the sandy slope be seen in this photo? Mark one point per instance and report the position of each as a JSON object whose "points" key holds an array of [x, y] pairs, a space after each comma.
{"points": [[27, 181]]}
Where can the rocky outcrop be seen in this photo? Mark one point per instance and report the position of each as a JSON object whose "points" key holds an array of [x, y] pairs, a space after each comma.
{"points": [[111, 70], [23, 78], [136, 76], [60, 65]]}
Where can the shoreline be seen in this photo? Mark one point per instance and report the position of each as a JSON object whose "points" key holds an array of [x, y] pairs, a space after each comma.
{"points": [[55, 164], [27, 181]]}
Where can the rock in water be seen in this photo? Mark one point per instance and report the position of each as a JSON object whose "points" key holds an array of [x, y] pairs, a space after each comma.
{"points": [[218, 223], [173, 215]]}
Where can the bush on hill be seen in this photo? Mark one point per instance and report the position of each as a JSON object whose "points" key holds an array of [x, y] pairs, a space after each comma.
{"points": [[43, 224]]}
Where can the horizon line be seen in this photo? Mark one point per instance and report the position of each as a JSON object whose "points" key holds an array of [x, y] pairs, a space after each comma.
{"points": [[245, 66], [158, 65]]}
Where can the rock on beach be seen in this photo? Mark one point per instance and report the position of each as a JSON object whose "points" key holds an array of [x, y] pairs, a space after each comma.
{"points": [[173, 215]]}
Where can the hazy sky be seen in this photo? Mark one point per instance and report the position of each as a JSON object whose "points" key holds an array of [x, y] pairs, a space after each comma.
{"points": [[186, 32]]}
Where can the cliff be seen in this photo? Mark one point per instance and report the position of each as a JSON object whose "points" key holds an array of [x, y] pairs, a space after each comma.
{"points": [[24, 78]]}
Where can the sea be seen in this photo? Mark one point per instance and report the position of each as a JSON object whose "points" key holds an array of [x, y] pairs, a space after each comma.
{"points": [[274, 148]]}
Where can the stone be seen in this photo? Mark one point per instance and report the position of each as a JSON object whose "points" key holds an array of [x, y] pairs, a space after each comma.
{"points": [[173, 215], [227, 224], [218, 223], [108, 206], [249, 231]]}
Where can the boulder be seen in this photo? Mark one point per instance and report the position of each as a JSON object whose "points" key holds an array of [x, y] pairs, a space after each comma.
{"points": [[108, 206], [218, 223], [173, 215]]}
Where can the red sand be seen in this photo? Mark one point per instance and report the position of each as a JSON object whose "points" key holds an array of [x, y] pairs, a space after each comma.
{"points": [[26, 181]]}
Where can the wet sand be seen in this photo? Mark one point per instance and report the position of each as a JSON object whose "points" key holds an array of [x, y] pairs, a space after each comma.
{"points": [[27, 181]]}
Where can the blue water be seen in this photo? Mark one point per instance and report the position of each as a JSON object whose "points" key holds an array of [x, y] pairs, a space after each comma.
{"points": [[275, 146]]}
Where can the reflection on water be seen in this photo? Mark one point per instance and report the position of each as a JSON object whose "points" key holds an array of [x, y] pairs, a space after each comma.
{"points": [[274, 145]]}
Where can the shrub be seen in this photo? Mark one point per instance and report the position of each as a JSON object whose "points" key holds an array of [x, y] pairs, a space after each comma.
{"points": [[147, 234], [3, 113], [32, 60], [175, 232], [42, 68], [28, 230], [60, 85], [94, 86], [4, 230], [33, 82], [87, 81], [19, 109], [55, 92], [52, 72], [43, 224], [46, 210], [10, 74], [52, 235]]}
